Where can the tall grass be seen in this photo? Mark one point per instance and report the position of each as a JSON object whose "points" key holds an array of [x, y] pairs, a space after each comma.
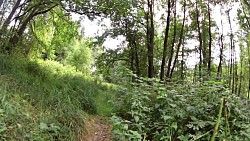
{"points": [[44, 100]]}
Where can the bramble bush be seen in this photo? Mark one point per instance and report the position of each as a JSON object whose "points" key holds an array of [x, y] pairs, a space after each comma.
{"points": [[153, 111]]}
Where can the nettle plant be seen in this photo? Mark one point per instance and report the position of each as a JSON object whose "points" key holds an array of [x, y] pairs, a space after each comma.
{"points": [[153, 111]]}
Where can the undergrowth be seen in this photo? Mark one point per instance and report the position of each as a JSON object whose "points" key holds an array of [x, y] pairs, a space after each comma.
{"points": [[180, 112], [44, 100]]}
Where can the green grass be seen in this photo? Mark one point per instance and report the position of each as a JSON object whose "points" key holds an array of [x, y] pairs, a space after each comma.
{"points": [[104, 104], [44, 100]]}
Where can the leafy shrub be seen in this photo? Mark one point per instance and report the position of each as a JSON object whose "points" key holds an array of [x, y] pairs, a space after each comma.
{"points": [[153, 111], [80, 55]]}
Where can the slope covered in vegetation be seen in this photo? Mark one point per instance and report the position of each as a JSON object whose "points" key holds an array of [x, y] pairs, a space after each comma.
{"points": [[44, 100]]}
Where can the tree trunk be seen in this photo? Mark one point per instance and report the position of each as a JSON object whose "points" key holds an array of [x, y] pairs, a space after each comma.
{"points": [[172, 46], [219, 71], [221, 43], [137, 63], [14, 40], [8, 20], [248, 55], [132, 57], [231, 80], [242, 56], [240, 83], [134, 61], [179, 45], [150, 32], [195, 73], [233, 72], [163, 62], [236, 77], [200, 38], [182, 62], [210, 40]]}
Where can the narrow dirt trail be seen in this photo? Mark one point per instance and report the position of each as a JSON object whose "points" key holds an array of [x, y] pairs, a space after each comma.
{"points": [[96, 129]]}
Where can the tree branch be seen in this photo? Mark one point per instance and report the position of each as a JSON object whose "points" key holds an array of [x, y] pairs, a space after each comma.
{"points": [[45, 11]]}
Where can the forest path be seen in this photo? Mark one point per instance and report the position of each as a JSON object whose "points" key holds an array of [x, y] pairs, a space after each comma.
{"points": [[96, 129]]}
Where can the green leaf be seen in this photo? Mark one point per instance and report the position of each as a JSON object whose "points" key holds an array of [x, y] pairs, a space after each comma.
{"points": [[167, 118], [157, 106], [125, 126], [183, 138], [193, 118], [3, 129], [136, 118], [43, 126], [136, 134], [190, 108], [174, 125], [173, 105]]}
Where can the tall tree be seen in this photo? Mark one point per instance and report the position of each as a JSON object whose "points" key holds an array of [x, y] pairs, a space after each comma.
{"points": [[150, 37], [28, 10], [210, 39], [199, 37], [163, 62], [231, 53], [173, 44], [221, 44], [34, 12], [179, 44]]}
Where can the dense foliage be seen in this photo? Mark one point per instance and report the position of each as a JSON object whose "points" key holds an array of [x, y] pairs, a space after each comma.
{"points": [[151, 111]]}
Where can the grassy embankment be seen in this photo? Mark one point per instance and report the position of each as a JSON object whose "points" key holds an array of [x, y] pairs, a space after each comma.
{"points": [[44, 100]]}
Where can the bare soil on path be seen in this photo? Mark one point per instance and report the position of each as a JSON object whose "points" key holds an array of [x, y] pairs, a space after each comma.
{"points": [[96, 129]]}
